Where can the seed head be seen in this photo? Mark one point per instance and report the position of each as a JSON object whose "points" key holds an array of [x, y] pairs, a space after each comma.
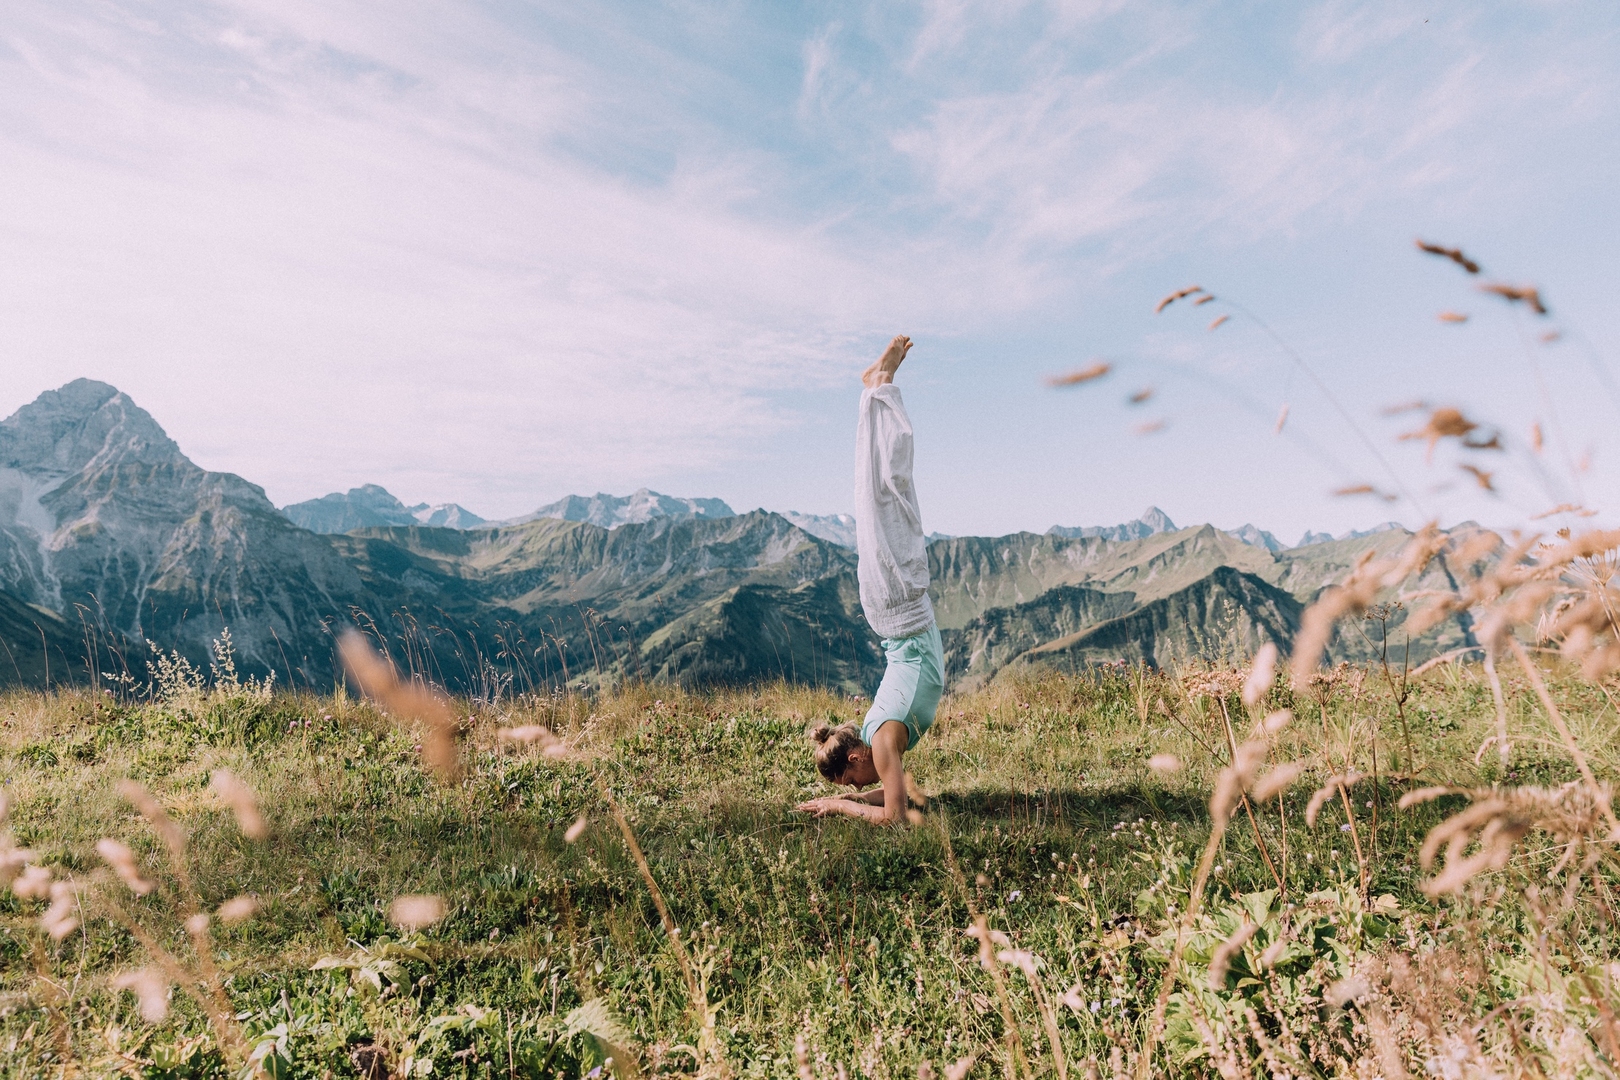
{"points": [[1083, 375], [239, 797], [34, 883], [151, 990], [60, 919], [1261, 674], [414, 912], [237, 909], [122, 860]]}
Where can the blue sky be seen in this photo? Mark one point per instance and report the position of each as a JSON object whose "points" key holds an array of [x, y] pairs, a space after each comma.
{"points": [[499, 253]]}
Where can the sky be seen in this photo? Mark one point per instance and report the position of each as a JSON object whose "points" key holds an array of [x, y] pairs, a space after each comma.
{"points": [[498, 253]]}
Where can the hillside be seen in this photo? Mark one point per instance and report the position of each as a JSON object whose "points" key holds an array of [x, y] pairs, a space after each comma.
{"points": [[111, 537]]}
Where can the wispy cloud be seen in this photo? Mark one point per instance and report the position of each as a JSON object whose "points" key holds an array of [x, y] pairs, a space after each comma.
{"points": [[497, 252]]}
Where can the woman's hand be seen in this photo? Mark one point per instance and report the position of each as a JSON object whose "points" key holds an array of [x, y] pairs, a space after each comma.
{"points": [[854, 806], [827, 804]]}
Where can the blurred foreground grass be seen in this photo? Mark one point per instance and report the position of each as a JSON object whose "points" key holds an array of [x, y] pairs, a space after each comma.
{"points": [[847, 939]]}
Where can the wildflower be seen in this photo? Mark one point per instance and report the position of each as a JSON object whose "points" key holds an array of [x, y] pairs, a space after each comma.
{"points": [[576, 830], [1015, 895]]}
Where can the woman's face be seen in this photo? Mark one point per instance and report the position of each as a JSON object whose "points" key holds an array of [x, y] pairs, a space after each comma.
{"points": [[861, 772]]}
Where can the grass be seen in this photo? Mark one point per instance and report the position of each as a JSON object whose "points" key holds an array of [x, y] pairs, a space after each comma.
{"points": [[846, 941]]}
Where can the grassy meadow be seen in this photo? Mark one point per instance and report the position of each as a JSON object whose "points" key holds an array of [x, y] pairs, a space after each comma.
{"points": [[811, 948]]}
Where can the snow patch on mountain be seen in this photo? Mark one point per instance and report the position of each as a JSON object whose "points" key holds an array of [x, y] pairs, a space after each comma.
{"points": [[834, 528], [374, 506], [611, 511]]}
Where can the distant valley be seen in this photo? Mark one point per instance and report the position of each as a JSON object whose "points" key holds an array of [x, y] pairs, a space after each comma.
{"points": [[110, 537]]}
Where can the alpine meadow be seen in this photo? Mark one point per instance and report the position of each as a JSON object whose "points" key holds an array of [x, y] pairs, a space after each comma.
{"points": [[442, 633], [1194, 806]]}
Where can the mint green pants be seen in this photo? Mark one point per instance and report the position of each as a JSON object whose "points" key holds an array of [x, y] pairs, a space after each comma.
{"points": [[911, 688]]}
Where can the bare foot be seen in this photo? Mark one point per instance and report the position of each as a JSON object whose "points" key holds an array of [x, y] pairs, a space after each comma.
{"points": [[882, 371]]}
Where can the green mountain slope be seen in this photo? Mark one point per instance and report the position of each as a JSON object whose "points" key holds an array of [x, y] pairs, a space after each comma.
{"points": [[1223, 617], [106, 525]]}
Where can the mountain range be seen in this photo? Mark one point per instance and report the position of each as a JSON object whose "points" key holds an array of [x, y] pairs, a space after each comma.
{"points": [[111, 538]]}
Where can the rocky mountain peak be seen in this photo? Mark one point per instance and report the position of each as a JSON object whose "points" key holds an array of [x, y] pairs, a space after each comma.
{"points": [[84, 423], [1152, 522], [1157, 520]]}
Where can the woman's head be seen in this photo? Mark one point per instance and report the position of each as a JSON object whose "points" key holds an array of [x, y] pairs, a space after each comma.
{"points": [[841, 756]]}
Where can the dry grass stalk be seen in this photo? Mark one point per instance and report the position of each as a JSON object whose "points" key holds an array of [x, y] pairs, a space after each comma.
{"points": [[1028, 963], [711, 1053], [1218, 322], [1599, 794], [1221, 962], [406, 701], [1358, 592], [1334, 785], [1164, 763], [1452, 317], [988, 938], [1233, 781]]}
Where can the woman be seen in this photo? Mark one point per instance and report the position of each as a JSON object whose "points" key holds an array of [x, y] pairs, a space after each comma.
{"points": [[893, 571]]}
